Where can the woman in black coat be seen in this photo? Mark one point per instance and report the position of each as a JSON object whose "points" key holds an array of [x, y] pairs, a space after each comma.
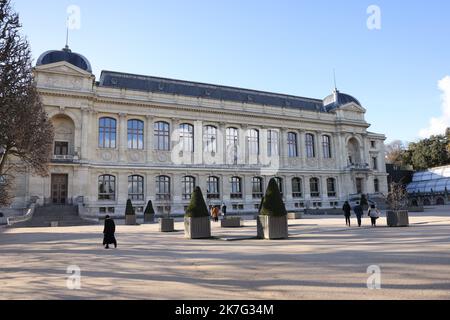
{"points": [[347, 212], [108, 232]]}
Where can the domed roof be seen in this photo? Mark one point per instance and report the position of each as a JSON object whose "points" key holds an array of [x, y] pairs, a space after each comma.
{"points": [[65, 54], [337, 99]]}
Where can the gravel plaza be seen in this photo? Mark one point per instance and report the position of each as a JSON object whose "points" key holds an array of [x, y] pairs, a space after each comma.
{"points": [[321, 260]]}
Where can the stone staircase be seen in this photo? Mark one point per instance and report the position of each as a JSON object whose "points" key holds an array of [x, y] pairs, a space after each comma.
{"points": [[58, 215]]}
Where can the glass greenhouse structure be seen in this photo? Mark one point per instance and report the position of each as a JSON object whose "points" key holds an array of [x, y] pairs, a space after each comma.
{"points": [[436, 180]]}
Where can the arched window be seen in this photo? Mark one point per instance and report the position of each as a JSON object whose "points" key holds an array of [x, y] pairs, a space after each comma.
{"points": [[236, 188], [280, 185], [232, 137], [162, 188], [107, 133], [187, 137], [331, 187], [257, 188], [210, 139], [162, 136], [376, 185], [297, 190], [136, 188], [326, 147], [310, 148], [314, 187], [188, 186], [213, 188], [253, 142], [292, 145], [107, 187], [273, 142], [135, 134]]}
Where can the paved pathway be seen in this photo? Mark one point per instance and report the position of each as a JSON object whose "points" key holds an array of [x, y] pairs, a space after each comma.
{"points": [[322, 260]]}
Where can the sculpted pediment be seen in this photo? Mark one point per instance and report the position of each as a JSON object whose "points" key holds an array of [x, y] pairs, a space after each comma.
{"points": [[352, 107], [62, 67]]}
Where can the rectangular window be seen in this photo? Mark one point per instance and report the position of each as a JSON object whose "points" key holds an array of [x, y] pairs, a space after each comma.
{"points": [[210, 139], [310, 148], [162, 136], [375, 163], [61, 148], [272, 143], [326, 145], [253, 142], [107, 133], [135, 134], [236, 188], [292, 145]]}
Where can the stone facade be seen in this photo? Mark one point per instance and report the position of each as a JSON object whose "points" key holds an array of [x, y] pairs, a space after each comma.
{"points": [[75, 103]]}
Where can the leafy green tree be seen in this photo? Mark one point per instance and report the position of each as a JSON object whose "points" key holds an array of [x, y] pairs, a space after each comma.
{"points": [[197, 207], [272, 204], [428, 153]]}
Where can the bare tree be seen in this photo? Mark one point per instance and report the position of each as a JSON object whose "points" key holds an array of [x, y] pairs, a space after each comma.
{"points": [[397, 197], [394, 152], [26, 134]]}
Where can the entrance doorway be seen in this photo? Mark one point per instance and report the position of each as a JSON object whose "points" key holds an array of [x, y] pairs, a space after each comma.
{"points": [[359, 185], [59, 189]]}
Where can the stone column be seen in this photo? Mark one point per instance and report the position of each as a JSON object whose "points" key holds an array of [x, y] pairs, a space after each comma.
{"points": [[242, 154], [221, 144], [284, 153], [150, 189], [122, 188], [319, 149], [85, 138], [149, 143], [123, 141], [263, 152], [302, 150], [198, 142]]}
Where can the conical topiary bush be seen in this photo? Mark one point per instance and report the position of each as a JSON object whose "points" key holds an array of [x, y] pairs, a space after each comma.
{"points": [[149, 208], [197, 222], [129, 210], [197, 207], [130, 215], [272, 222], [149, 212], [272, 203]]}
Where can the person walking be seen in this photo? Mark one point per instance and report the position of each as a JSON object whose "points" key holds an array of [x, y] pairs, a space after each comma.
{"points": [[359, 213], [108, 233], [216, 211], [347, 213], [224, 209], [374, 215]]}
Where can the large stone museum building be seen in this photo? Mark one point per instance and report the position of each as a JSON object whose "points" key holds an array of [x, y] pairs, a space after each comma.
{"points": [[136, 137]]}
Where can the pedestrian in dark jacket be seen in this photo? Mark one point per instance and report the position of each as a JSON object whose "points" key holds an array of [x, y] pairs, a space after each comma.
{"points": [[224, 210], [108, 232], [359, 213], [347, 212]]}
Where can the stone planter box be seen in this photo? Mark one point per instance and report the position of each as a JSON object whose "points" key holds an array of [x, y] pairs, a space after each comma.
{"points": [[397, 218], [149, 218], [166, 225], [197, 228], [272, 228], [231, 222], [416, 209], [130, 220], [295, 215]]}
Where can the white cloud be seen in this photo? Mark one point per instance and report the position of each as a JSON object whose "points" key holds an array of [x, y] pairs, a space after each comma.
{"points": [[438, 125]]}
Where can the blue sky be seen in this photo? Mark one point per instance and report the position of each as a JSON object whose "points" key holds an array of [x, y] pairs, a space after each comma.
{"points": [[281, 46]]}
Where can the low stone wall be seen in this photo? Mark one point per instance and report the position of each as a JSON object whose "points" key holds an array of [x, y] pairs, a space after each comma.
{"points": [[231, 222], [333, 212], [295, 215]]}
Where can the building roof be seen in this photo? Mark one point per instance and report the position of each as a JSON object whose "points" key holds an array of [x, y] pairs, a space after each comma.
{"points": [[67, 55], [208, 91], [338, 99]]}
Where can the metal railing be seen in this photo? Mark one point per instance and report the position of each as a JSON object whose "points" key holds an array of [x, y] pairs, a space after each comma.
{"points": [[18, 219]]}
